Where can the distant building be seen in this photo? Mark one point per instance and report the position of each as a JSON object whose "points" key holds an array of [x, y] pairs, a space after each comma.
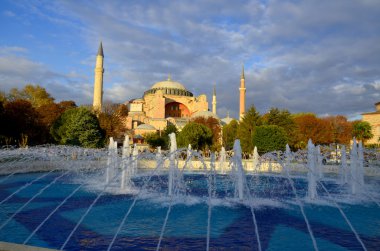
{"points": [[165, 102], [373, 118], [227, 120]]}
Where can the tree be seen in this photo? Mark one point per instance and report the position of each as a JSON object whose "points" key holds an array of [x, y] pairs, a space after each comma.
{"points": [[247, 128], [170, 128], [215, 128], [51, 112], [161, 138], [197, 135], [341, 129], [79, 127], [111, 119], [268, 138], [3, 97], [67, 104], [36, 95], [310, 127], [155, 140], [362, 130], [2, 122], [230, 134], [20, 122], [283, 119]]}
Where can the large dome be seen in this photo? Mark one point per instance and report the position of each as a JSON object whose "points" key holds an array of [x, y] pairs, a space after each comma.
{"points": [[168, 84], [169, 87]]}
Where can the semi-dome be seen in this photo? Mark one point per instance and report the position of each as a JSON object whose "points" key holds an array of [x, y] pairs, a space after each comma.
{"points": [[204, 114]]}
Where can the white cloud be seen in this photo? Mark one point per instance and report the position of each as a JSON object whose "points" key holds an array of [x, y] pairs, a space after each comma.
{"points": [[9, 13], [317, 56], [16, 71], [10, 50]]}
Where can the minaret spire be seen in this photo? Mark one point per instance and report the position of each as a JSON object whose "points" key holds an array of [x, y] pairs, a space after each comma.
{"points": [[242, 95], [98, 80], [214, 101], [100, 50]]}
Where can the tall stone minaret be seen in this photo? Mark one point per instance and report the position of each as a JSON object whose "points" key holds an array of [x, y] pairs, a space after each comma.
{"points": [[98, 81], [214, 101], [242, 95]]}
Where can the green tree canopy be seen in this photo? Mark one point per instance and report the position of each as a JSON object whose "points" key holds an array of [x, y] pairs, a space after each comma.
{"points": [[197, 135], [215, 128], [247, 127], [283, 119], [79, 127], [269, 138], [230, 134], [155, 140], [170, 128], [161, 138], [362, 130], [35, 94]]}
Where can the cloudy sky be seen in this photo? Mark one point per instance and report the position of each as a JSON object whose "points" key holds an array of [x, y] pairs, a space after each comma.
{"points": [[318, 56]]}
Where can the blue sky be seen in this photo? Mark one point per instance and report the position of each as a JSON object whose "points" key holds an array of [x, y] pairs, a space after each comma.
{"points": [[305, 56]]}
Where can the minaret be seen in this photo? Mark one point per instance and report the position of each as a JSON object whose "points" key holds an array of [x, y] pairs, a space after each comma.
{"points": [[242, 95], [98, 81], [214, 101]]}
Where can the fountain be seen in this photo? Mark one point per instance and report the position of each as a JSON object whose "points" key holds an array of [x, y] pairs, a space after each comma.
{"points": [[111, 160], [312, 170], [222, 160], [238, 172], [189, 156], [125, 174], [70, 198]]}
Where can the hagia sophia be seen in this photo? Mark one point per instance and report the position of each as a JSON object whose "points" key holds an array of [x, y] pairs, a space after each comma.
{"points": [[166, 102], [169, 102]]}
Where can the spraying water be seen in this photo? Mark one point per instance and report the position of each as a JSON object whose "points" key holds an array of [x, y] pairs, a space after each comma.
{"points": [[222, 160], [343, 170], [311, 164], [255, 160], [288, 159], [238, 171], [353, 167], [319, 166], [172, 167], [217, 190]]}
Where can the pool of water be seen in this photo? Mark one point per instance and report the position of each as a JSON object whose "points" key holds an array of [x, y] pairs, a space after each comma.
{"points": [[272, 218]]}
